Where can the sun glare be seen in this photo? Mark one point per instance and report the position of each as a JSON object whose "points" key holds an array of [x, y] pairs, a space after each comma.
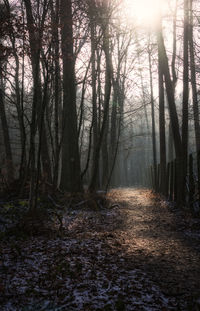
{"points": [[144, 12]]}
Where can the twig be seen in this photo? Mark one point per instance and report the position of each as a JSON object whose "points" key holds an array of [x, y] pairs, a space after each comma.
{"points": [[54, 203], [81, 203]]}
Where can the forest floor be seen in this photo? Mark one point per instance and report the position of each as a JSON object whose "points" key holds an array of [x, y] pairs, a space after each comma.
{"points": [[139, 254]]}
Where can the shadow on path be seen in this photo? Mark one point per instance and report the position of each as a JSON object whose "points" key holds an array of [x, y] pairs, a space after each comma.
{"points": [[158, 241]]}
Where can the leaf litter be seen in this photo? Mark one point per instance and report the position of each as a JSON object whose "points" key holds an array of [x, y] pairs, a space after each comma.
{"points": [[116, 258]]}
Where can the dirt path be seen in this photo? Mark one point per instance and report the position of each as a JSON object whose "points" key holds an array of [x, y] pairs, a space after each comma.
{"points": [[138, 255], [162, 241]]}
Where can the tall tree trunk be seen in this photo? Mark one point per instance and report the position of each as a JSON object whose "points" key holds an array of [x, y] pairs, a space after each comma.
{"points": [[20, 112], [71, 174], [113, 126], [108, 78], [35, 48], [95, 133], [193, 80], [170, 144], [148, 139], [105, 157], [174, 76], [57, 89], [185, 99], [93, 182], [170, 94], [6, 136], [162, 129], [153, 121], [174, 82], [164, 66]]}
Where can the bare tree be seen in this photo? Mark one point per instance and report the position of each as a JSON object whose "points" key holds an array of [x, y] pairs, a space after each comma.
{"points": [[71, 173]]}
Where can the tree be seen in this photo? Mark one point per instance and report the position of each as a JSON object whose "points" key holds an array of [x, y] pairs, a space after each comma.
{"points": [[164, 68], [193, 78], [162, 128], [104, 23], [4, 51], [185, 98], [71, 174], [153, 120]]}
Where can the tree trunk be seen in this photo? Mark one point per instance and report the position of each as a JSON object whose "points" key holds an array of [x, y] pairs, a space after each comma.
{"points": [[185, 99], [193, 81], [19, 107], [71, 174], [35, 47], [95, 133], [153, 120], [170, 144], [6, 136], [172, 109], [162, 129], [108, 78], [93, 182], [57, 89]]}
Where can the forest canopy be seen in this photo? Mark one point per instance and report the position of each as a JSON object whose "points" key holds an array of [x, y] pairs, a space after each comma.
{"points": [[92, 93]]}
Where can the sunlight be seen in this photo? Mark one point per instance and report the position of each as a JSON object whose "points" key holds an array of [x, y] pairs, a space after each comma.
{"points": [[144, 12]]}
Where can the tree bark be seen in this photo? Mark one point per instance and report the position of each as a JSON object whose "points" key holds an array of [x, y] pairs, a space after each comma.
{"points": [[185, 99], [164, 66], [193, 81], [108, 77], [153, 121], [6, 136], [162, 129], [57, 89], [170, 93], [35, 39], [71, 174]]}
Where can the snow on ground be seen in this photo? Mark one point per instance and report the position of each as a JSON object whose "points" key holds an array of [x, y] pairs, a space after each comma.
{"points": [[81, 272], [73, 274], [90, 265]]}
